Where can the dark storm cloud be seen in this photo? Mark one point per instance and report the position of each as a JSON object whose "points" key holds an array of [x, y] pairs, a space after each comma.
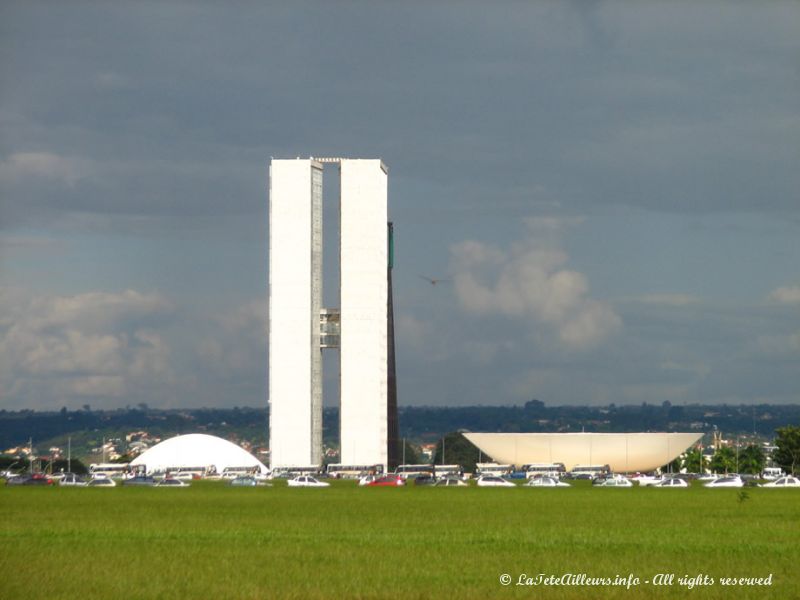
{"points": [[179, 106], [136, 137]]}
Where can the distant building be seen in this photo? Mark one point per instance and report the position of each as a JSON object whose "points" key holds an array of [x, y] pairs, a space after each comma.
{"points": [[623, 452], [196, 450], [300, 327]]}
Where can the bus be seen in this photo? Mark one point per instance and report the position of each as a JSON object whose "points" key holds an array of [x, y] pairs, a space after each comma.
{"points": [[234, 472], [556, 470], [492, 469], [189, 472], [118, 470], [292, 472], [343, 471], [443, 471], [589, 471], [406, 471]]}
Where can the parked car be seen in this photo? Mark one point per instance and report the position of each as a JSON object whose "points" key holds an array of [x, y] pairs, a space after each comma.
{"points": [[145, 480], [617, 481], [244, 481], [787, 481], [546, 482], [424, 480], [451, 482], [647, 480], [307, 481], [71, 479], [172, 482], [33, 479], [493, 481], [732, 481], [367, 479], [101, 482], [388, 481], [672, 482]]}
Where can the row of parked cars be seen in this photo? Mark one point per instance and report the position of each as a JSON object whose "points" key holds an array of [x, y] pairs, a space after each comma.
{"points": [[610, 480], [73, 480], [393, 480]]}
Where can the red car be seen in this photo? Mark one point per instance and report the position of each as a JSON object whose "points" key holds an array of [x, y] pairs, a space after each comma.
{"points": [[34, 479], [388, 480]]}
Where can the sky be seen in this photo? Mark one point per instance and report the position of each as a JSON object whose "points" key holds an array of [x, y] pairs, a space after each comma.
{"points": [[609, 191]]}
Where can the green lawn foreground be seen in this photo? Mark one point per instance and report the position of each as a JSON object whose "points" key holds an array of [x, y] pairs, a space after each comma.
{"points": [[214, 541]]}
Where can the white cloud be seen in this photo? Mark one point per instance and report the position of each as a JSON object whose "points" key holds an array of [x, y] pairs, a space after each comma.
{"points": [[238, 347], [669, 299], [779, 345], [112, 81], [56, 348], [411, 331], [529, 281], [786, 295], [44, 165]]}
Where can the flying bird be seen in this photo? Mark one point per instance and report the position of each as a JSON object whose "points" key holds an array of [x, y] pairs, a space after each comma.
{"points": [[432, 280]]}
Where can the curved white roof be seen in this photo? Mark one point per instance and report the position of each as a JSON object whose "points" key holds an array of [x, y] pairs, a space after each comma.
{"points": [[197, 450], [623, 452]]}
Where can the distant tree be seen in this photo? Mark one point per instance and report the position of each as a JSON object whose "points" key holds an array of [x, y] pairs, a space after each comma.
{"points": [[751, 460], [63, 465], [12, 462], [723, 461], [458, 450], [675, 413], [534, 407], [787, 456], [693, 461], [410, 456]]}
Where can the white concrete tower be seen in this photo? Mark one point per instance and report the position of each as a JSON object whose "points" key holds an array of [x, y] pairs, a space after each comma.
{"points": [[295, 300], [364, 297], [296, 318]]}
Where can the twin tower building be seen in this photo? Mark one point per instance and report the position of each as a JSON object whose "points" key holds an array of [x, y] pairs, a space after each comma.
{"points": [[301, 328]]}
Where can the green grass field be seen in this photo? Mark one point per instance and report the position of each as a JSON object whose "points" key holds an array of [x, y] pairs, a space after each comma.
{"points": [[214, 541]]}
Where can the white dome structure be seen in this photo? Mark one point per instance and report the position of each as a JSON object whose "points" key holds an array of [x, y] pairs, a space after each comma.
{"points": [[623, 452], [196, 450]]}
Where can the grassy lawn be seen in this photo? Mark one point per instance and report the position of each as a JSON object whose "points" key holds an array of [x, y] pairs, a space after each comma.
{"points": [[213, 541]]}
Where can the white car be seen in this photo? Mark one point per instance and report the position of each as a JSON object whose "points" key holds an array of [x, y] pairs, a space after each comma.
{"points": [[307, 481], [732, 481], [450, 482], [546, 482], [784, 482], [617, 481], [71, 479], [367, 479], [672, 482], [101, 482], [172, 482], [493, 481], [647, 480]]}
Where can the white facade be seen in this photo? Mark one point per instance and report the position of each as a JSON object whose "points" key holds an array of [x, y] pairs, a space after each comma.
{"points": [[363, 297], [295, 293], [623, 452], [295, 287], [196, 450]]}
